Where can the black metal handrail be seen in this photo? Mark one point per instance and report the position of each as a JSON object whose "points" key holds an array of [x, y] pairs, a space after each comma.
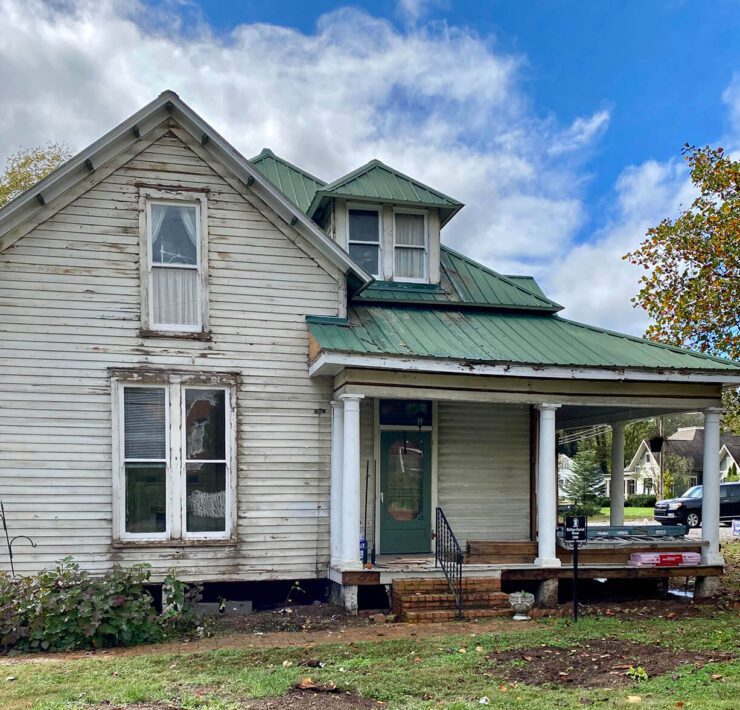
{"points": [[449, 556]]}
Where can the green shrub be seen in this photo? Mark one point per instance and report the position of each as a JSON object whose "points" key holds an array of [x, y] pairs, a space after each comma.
{"points": [[640, 500], [178, 601], [66, 608], [604, 501]]}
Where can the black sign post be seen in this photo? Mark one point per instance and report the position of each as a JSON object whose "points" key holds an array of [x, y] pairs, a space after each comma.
{"points": [[576, 532]]}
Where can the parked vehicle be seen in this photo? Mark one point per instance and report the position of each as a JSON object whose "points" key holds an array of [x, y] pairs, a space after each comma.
{"points": [[686, 510]]}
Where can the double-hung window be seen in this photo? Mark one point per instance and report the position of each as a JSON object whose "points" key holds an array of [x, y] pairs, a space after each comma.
{"points": [[410, 248], [174, 267], [364, 238], [175, 442]]}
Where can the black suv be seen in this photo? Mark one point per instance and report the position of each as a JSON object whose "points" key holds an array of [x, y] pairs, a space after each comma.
{"points": [[686, 510]]}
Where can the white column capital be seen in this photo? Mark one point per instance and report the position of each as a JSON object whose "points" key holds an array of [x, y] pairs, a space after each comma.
{"points": [[619, 426], [335, 403], [346, 398], [712, 414], [547, 407]]}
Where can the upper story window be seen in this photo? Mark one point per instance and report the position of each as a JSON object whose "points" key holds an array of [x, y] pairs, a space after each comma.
{"points": [[364, 239], [174, 239], [410, 247]]}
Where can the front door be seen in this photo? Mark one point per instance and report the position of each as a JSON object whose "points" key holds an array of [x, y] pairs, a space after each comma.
{"points": [[405, 491]]}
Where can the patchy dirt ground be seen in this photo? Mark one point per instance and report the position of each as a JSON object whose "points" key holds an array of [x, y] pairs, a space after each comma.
{"points": [[604, 663], [312, 617]]}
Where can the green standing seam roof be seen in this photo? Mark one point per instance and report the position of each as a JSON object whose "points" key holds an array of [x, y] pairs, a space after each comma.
{"points": [[464, 282], [296, 184], [381, 183], [498, 337]]}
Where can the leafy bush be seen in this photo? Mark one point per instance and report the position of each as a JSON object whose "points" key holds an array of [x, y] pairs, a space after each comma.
{"points": [[604, 501], [178, 600], [66, 608], [640, 500]]}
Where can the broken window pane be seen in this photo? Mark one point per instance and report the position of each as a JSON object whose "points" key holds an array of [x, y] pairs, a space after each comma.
{"points": [[205, 424]]}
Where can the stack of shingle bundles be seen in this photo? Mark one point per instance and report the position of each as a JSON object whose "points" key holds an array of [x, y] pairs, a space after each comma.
{"points": [[664, 559]]}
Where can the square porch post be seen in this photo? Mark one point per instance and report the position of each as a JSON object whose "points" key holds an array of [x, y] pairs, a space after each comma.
{"points": [[350, 544], [710, 489], [547, 488], [616, 487], [337, 463]]}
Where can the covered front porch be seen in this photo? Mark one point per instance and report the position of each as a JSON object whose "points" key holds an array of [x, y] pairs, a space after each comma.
{"points": [[482, 448]]}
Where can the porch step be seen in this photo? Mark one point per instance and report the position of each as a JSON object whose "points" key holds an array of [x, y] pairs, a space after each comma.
{"points": [[440, 585], [471, 600], [440, 615], [430, 600]]}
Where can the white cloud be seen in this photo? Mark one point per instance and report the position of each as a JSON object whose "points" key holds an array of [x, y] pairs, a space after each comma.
{"points": [[580, 133], [413, 10], [437, 102], [731, 97]]}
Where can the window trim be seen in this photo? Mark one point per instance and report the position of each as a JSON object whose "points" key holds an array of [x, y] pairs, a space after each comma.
{"points": [[425, 248], [175, 385], [367, 208], [177, 197]]}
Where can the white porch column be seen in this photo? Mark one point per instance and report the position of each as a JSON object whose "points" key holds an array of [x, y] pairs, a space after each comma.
{"points": [[350, 546], [616, 489], [337, 463], [547, 488], [710, 493]]}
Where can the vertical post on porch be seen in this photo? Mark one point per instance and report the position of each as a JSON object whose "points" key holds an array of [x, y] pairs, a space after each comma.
{"points": [[350, 546], [710, 492], [616, 484], [337, 463], [547, 488]]}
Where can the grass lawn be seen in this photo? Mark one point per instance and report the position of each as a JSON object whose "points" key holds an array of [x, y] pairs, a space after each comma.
{"points": [[452, 672], [629, 514]]}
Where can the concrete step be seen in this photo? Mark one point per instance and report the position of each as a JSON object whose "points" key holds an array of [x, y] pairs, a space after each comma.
{"points": [[471, 599], [439, 615]]}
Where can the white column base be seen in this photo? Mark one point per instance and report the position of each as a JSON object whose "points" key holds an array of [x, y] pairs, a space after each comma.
{"points": [[548, 562], [712, 558]]}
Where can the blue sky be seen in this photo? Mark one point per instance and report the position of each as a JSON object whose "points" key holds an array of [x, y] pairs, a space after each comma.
{"points": [[659, 67], [559, 124]]}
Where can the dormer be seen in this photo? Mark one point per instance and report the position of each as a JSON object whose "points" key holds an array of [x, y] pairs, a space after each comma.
{"points": [[388, 222]]}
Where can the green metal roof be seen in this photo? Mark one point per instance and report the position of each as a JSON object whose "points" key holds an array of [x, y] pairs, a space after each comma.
{"points": [[498, 337], [464, 282], [380, 183], [296, 184]]}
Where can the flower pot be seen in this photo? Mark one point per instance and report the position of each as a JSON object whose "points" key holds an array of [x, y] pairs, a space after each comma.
{"points": [[521, 603]]}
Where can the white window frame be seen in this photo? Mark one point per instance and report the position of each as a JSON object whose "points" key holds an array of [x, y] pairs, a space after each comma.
{"points": [[379, 243], [179, 198], [425, 214], [175, 385]]}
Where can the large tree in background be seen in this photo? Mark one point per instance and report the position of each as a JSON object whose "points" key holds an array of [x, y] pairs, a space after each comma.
{"points": [[29, 165], [691, 285]]}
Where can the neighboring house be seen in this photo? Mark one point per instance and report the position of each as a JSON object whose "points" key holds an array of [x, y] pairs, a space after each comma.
{"points": [[642, 474], [207, 361], [565, 473]]}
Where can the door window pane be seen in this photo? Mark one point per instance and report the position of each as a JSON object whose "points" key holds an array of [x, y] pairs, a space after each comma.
{"points": [[411, 412], [174, 234], [366, 255], [364, 226], [144, 423], [206, 497], [405, 487], [146, 497], [205, 424]]}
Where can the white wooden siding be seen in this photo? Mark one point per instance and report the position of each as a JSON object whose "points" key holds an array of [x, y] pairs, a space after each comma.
{"points": [[69, 309], [483, 470]]}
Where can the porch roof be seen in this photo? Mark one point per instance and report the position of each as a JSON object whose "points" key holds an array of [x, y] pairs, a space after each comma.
{"points": [[498, 337]]}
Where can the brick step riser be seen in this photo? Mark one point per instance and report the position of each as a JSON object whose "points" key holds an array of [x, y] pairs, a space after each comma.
{"points": [[432, 586], [432, 617]]}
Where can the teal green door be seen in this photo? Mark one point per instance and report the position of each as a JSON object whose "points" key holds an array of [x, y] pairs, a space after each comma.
{"points": [[405, 491]]}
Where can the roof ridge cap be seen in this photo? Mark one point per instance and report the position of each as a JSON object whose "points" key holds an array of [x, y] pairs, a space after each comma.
{"points": [[266, 152]]}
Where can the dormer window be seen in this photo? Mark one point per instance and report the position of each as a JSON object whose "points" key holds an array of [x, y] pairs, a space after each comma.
{"points": [[410, 247], [364, 238]]}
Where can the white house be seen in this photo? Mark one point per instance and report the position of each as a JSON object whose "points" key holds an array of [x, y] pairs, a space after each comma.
{"points": [[205, 358]]}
